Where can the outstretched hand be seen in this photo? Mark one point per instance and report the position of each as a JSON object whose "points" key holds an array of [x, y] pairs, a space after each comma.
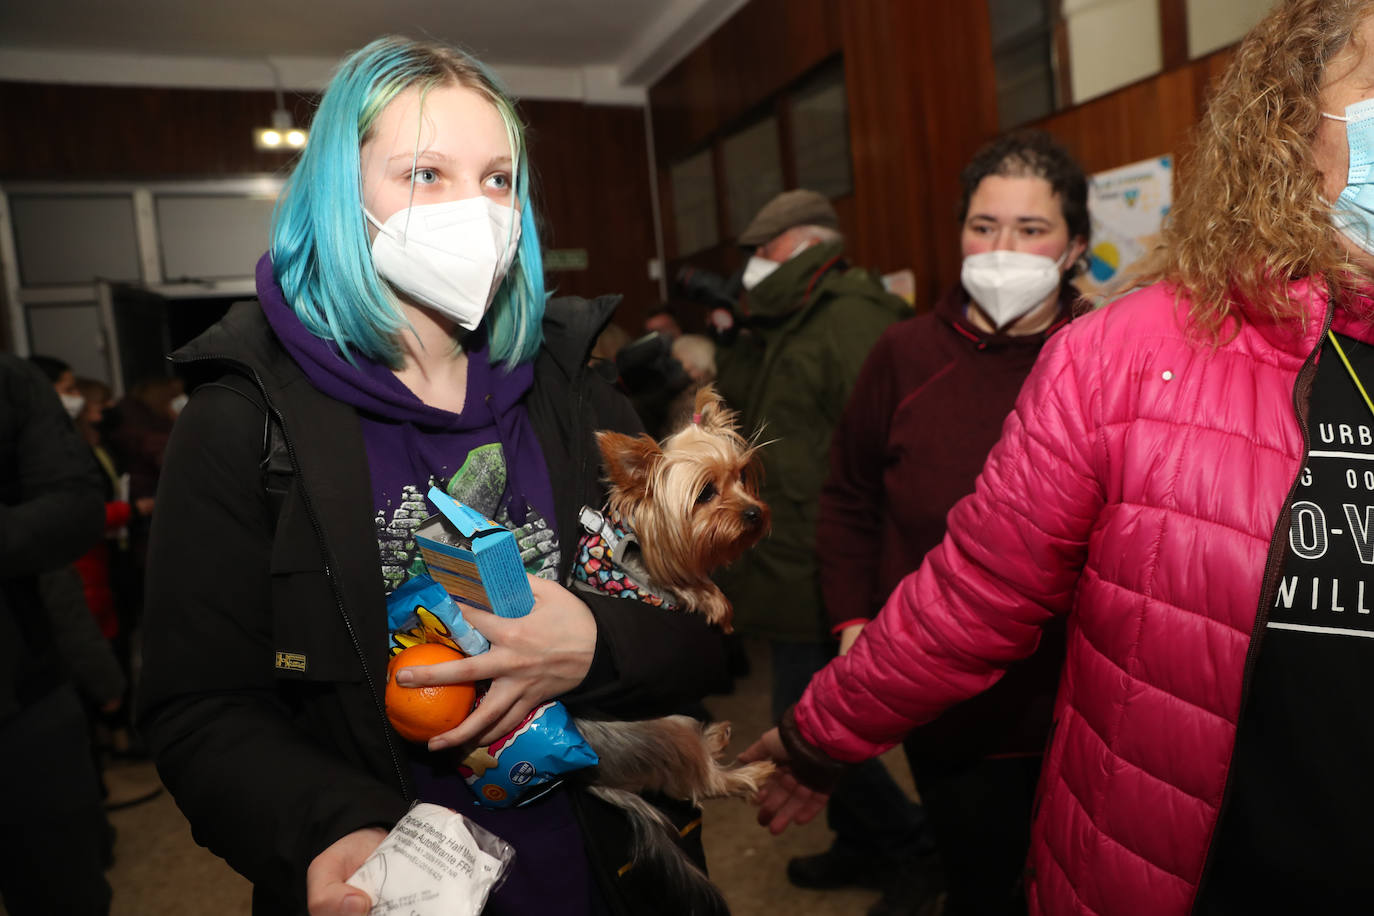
{"points": [[782, 800], [532, 659]]}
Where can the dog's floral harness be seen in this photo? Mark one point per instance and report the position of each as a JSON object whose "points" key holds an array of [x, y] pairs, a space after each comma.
{"points": [[607, 561]]}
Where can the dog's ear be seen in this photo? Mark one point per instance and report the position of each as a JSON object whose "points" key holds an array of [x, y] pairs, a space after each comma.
{"points": [[629, 460], [710, 411]]}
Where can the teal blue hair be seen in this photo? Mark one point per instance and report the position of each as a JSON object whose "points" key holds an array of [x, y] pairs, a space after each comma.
{"points": [[321, 253]]}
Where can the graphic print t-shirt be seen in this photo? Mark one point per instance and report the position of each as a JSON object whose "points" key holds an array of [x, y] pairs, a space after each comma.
{"points": [[476, 478], [1296, 831]]}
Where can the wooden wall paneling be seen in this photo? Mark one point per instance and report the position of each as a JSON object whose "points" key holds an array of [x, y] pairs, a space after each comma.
{"points": [[763, 47], [766, 45], [723, 211], [1210, 69], [814, 32], [727, 80], [1173, 32], [750, 63], [116, 132], [1149, 118], [946, 55], [921, 88], [666, 211], [890, 225], [668, 102], [591, 166], [684, 105], [847, 211], [787, 152], [1063, 60]]}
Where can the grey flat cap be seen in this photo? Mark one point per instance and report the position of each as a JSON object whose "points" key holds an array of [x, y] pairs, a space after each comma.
{"points": [[790, 208]]}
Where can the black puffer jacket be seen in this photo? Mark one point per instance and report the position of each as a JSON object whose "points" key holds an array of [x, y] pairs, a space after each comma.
{"points": [[272, 764], [51, 512]]}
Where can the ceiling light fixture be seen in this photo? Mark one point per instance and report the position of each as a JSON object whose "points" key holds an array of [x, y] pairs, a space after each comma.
{"points": [[283, 135]]}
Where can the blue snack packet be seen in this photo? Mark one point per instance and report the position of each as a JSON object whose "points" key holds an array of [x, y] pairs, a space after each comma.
{"points": [[422, 611], [529, 762]]}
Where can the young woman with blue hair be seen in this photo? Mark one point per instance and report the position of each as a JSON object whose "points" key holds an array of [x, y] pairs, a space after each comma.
{"points": [[401, 338]]}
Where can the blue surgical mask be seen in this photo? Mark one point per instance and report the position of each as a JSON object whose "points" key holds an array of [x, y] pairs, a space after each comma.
{"points": [[1353, 212]]}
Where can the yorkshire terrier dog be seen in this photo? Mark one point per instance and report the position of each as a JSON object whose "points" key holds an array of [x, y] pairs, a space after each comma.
{"points": [[675, 512]]}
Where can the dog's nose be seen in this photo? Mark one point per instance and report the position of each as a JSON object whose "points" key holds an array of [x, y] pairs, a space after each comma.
{"points": [[752, 516]]}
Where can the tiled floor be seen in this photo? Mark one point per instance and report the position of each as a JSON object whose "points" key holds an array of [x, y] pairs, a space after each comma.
{"points": [[159, 870]]}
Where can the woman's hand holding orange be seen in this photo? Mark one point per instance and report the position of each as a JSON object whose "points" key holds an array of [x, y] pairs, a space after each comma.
{"points": [[532, 659]]}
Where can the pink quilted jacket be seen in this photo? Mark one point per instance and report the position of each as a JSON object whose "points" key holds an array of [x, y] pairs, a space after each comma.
{"points": [[1137, 488]]}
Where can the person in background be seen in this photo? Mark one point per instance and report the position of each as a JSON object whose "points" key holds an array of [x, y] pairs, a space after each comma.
{"points": [[80, 603], [136, 431], [63, 380], [652, 378], [90, 399], [392, 347], [721, 324], [609, 343], [1184, 482], [102, 663], [662, 321], [53, 845], [927, 408], [716, 293], [70, 597], [696, 354], [813, 319], [108, 568]]}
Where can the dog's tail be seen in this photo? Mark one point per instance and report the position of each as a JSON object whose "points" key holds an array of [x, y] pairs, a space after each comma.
{"points": [[654, 845]]}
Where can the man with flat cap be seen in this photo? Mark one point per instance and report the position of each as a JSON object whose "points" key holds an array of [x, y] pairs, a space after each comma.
{"points": [[810, 319]]}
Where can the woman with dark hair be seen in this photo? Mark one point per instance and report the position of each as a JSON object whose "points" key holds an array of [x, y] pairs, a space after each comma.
{"points": [[926, 410], [1186, 482], [63, 381], [401, 339]]}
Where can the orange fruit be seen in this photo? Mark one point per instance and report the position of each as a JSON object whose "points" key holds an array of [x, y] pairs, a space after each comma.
{"points": [[420, 713]]}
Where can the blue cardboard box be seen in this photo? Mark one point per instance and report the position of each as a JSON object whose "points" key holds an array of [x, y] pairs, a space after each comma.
{"points": [[473, 558]]}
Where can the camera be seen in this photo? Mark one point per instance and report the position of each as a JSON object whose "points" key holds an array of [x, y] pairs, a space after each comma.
{"points": [[707, 287]]}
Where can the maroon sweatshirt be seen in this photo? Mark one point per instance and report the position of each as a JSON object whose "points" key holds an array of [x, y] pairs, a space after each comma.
{"points": [[927, 408]]}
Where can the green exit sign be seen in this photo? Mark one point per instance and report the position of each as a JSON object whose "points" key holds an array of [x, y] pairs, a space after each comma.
{"points": [[565, 259]]}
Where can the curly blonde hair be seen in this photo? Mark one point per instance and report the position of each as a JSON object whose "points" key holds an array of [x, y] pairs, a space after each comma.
{"points": [[1249, 214]]}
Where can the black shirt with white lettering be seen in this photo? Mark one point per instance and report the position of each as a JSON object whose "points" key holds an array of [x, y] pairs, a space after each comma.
{"points": [[1297, 834]]}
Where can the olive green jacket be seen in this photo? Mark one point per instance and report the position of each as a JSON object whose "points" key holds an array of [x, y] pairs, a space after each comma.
{"points": [[812, 323]]}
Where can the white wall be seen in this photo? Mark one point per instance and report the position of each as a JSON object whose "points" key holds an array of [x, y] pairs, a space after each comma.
{"points": [[1214, 24], [1112, 43]]}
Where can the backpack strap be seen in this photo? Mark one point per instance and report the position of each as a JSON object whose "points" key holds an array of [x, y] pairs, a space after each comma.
{"points": [[274, 465]]}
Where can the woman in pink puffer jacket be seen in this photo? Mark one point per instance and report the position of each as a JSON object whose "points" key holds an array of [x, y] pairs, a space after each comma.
{"points": [[1188, 476]]}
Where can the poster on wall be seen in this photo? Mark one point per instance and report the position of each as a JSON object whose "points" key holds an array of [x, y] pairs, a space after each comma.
{"points": [[1127, 207]]}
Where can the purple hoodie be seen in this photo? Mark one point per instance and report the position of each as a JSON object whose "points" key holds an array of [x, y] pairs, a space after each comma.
{"points": [[489, 458]]}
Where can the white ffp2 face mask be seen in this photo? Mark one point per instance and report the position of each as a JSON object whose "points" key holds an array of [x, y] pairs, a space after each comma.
{"points": [[450, 256], [759, 269], [756, 271], [73, 404], [1009, 284]]}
